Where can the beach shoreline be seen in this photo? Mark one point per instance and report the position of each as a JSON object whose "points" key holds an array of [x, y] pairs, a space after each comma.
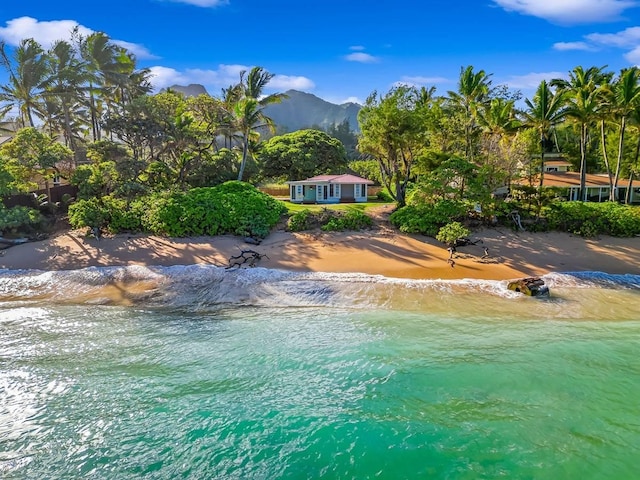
{"points": [[380, 251]]}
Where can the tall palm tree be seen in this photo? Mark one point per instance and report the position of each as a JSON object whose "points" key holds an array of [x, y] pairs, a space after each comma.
{"points": [[584, 101], [499, 125], [249, 105], [634, 118], [99, 55], [626, 93], [473, 90], [27, 75], [64, 84], [543, 112]]}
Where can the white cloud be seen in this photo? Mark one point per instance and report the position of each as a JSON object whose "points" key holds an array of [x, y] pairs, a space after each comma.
{"points": [[45, 33], [629, 37], [163, 77], [421, 81], [140, 51], [48, 32], [351, 100], [532, 80], [361, 57], [565, 46], [356, 47], [215, 80], [570, 11], [286, 82], [634, 56], [202, 3]]}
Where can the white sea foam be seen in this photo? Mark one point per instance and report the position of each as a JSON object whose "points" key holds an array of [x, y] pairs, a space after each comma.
{"points": [[202, 287]]}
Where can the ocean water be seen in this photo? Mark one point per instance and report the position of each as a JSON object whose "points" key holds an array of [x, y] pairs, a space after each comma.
{"points": [[198, 372]]}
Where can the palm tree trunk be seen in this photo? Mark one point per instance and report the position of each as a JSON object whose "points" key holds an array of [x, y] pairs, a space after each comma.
{"points": [[630, 184], [245, 149], [605, 157], [541, 163], [583, 162], [623, 125]]}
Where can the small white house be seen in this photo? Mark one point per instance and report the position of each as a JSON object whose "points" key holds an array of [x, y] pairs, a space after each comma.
{"points": [[345, 188]]}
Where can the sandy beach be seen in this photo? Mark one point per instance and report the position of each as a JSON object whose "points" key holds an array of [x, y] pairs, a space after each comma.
{"points": [[381, 251]]}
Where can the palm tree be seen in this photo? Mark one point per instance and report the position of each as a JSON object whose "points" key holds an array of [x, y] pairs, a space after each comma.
{"points": [[64, 85], [545, 110], [499, 123], [473, 90], [27, 74], [248, 109], [635, 165], [584, 101], [626, 94], [99, 55]]}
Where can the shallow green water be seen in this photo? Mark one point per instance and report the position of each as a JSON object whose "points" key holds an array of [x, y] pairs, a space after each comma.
{"points": [[281, 392]]}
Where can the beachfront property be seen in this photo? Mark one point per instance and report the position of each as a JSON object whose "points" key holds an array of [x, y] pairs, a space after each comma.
{"points": [[558, 174], [597, 186], [346, 188]]}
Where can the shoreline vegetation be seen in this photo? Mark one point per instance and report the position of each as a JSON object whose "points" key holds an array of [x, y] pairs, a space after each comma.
{"points": [[381, 250]]}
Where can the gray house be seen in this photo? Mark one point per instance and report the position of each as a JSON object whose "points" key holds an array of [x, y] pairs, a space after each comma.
{"points": [[345, 188]]}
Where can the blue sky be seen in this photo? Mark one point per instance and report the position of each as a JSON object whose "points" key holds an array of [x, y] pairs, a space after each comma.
{"points": [[344, 50]]}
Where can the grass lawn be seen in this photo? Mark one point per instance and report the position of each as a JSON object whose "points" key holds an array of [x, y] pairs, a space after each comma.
{"points": [[293, 208]]}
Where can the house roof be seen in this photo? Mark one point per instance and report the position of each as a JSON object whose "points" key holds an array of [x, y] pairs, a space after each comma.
{"points": [[572, 179], [557, 163], [346, 178]]}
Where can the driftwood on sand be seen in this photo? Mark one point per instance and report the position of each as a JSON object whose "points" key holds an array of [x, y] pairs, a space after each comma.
{"points": [[248, 257]]}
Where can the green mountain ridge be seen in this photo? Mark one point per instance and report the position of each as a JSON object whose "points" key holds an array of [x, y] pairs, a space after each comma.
{"points": [[304, 110], [300, 110]]}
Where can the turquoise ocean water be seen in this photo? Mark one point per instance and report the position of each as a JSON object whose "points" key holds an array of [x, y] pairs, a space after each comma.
{"points": [[201, 373]]}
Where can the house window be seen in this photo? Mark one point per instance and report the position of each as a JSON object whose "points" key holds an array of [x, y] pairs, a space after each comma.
{"points": [[56, 181], [331, 193]]}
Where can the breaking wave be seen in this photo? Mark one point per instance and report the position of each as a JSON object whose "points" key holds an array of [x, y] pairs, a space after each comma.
{"points": [[207, 287]]}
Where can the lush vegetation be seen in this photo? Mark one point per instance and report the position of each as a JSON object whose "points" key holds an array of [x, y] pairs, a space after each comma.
{"points": [[173, 165], [329, 220], [230, 208]]}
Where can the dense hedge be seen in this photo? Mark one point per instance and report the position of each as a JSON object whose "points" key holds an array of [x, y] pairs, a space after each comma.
{"points": [[591, 219], [427, 219], [231, 208], [329, 220], [19, 219]]}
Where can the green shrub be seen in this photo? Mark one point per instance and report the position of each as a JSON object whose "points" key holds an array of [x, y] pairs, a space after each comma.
{"points": [[19, 219], [300, 221], [384, 196], [231, 208], [88, 213], [427, 219], [591, 219], [451, 233], [349, 220]]}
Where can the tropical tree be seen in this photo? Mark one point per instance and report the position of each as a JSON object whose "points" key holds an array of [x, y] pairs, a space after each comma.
{"points": [[248, 105], [473, 90], [584, 99], [393, 134], [302, 154], [64, 87], [101, 63], [626, 94], [544, 111], [37, 154], [499, 124], [27, 70]]}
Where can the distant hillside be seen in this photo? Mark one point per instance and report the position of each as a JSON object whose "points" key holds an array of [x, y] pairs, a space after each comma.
{"points": [[192, 90], [303, 110], [300, 110]]}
